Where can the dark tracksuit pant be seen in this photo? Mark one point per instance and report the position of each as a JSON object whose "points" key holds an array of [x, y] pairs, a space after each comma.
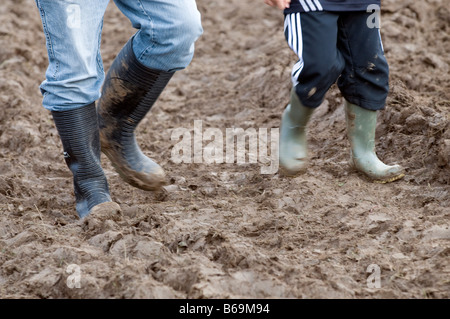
{"points": [[342, 46]]}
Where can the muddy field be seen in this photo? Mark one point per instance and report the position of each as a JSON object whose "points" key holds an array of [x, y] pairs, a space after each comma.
{"points": [[226, 230]]}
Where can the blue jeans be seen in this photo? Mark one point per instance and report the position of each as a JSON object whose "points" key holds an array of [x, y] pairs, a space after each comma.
{"points": [[167, 30]]}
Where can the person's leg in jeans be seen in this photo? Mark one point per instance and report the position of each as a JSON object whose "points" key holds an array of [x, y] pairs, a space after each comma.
{"points": [[163, 44], [364, 83], [71, 86]]}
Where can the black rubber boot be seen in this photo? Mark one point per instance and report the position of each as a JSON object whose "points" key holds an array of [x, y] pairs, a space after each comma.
{"points": [[78, 130], [129, 91]]}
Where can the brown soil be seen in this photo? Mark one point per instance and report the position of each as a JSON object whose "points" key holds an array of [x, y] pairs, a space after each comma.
{"points": [[226, 230]]}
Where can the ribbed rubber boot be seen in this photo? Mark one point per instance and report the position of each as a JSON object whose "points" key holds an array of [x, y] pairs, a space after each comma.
{"points": [[293, 140], [361, 126], [129, 92], [79, 134]]}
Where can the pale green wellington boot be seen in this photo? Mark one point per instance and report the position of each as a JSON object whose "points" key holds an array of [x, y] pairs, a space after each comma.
{"points": [[361, 125], [293, 141]]}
